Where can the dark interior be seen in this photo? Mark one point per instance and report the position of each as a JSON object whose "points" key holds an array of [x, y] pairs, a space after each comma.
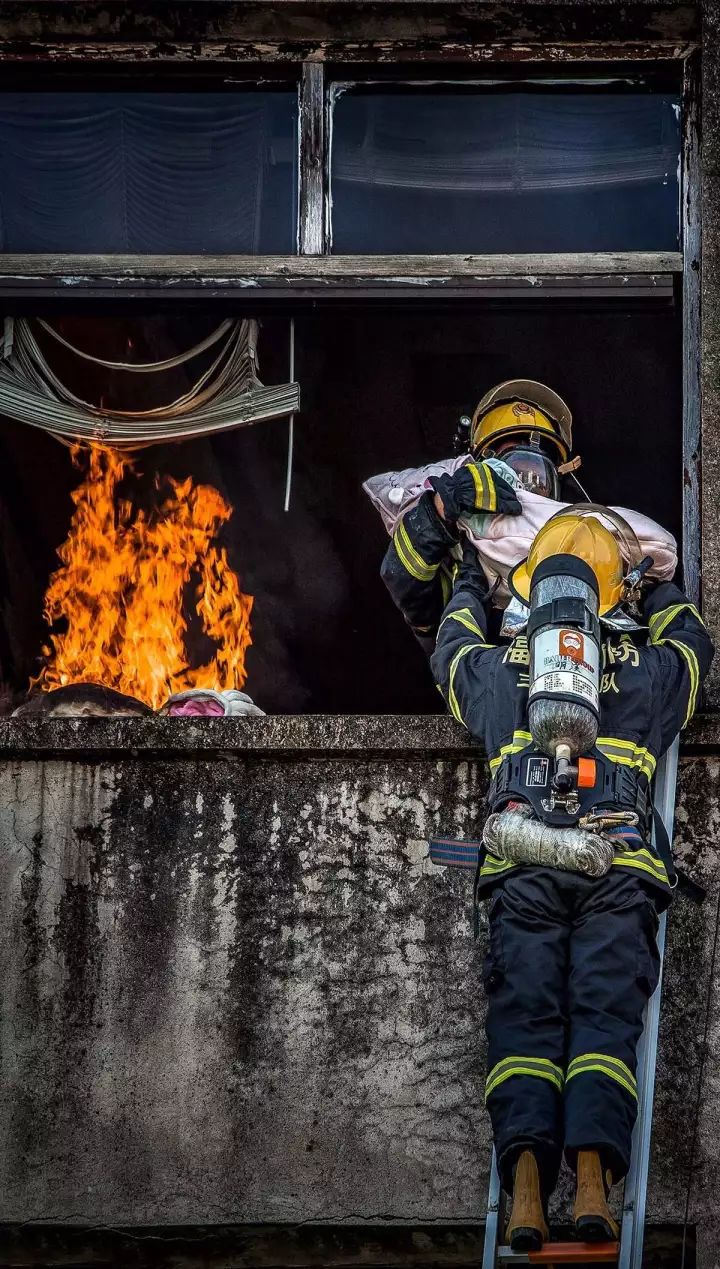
{"points": [[381, 389]]}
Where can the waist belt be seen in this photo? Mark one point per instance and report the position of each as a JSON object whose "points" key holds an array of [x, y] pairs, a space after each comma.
{"points": [[466, 854], [527, 776]]}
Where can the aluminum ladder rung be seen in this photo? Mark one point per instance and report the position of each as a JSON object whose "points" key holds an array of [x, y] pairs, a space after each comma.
{"points": [[562, 1254], [627, 1254]]}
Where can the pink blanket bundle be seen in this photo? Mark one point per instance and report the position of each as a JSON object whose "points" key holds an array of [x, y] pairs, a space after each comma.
{"points": [[505, 540]]}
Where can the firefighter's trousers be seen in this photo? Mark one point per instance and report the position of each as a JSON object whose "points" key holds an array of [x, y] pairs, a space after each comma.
{"points": [[572, 961]]}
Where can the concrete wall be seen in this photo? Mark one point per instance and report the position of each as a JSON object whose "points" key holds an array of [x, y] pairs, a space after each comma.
{"points": [[235, 990], [232, 987]]}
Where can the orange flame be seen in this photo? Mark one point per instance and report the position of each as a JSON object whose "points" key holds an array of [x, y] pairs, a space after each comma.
{"points": [[122, 584]]}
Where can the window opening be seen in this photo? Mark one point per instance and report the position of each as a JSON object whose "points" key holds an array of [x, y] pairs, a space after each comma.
{"points": [[381, 389]]}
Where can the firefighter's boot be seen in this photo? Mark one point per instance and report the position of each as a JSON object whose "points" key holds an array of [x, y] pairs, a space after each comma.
{"points": [[527, 1230], [593, 1221]]}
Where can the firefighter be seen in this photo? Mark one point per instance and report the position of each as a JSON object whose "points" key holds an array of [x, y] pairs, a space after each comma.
{"points": [[529, 427], [572, 958]]}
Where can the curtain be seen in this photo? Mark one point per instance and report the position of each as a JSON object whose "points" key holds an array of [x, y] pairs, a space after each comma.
{"points": [[139, 172], [505, 142]]}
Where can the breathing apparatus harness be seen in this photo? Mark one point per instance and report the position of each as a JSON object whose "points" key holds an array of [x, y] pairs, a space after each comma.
{"points": [[606, 795], [562, 777]]}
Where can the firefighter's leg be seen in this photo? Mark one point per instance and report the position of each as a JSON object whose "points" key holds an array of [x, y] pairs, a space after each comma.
{"points": [[613, 970], [525, 979]]}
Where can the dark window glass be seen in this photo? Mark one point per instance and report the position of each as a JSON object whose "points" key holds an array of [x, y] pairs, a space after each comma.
{"points": [[148, 172], [514, 171]]}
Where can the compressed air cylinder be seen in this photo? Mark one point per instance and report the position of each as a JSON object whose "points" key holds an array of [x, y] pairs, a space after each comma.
{"points": [[564, 692]]}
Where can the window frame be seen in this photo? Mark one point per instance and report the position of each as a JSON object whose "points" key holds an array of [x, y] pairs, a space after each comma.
{"points": [[605, 79], [313, 275]]}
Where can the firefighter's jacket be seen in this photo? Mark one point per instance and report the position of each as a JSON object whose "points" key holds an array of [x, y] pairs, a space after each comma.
{"points": [[417, 569], [649, 689]]}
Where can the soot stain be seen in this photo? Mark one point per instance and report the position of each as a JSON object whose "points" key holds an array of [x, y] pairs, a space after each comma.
{"points": [[77, 938], [265, 877]]}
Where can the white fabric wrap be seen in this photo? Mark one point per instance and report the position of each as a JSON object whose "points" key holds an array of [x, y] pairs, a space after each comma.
{"points": [[502, 541]]}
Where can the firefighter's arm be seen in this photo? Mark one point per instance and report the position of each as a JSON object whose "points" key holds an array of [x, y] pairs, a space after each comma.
{"points": [[411, 567], [682, 650], [464, 659]]}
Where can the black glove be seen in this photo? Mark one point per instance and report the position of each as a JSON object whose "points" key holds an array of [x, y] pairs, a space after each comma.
{"points": [[471, 572], [475, 487]]}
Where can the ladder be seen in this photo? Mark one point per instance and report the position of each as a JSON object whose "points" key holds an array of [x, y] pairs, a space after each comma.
{"points": [[627, 1253]]}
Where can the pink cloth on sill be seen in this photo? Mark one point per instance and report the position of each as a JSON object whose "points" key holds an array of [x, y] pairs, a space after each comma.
{"points": [[195, 709]]}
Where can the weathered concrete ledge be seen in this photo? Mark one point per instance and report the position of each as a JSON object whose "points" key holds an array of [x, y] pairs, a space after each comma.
{"points": [[234, 990], [311, 735]]}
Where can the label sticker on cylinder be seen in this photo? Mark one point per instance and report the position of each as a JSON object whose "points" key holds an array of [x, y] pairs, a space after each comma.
{"points": [[567, 662], [572, 644]]}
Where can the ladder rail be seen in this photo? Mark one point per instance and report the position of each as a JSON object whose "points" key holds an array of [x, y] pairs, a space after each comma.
{"points": [[635, 1195], [635, 1192], [492, 1219]]}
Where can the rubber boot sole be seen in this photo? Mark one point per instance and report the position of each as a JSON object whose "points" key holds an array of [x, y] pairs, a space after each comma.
{"points": [[594, 1229], [526, 1230], [526, 1239], [593, 1221]]}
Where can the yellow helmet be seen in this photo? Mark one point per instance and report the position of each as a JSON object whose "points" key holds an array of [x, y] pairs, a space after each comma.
{"points": [[594, 534], [521, 407]]}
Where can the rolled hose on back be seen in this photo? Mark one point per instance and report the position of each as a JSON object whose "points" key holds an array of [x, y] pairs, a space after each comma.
{"points": [[516, 836]]}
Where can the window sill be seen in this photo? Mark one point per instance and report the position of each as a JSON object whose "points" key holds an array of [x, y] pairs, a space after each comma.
{"points": [[312, 736], [282, 277]]}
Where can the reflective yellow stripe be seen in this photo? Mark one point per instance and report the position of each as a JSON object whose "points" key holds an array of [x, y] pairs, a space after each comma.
{"points": [[491, 504], [412, 552], [445, 586], [616, 1062], [644, 861], [492, 491], [541, 1068], [606, 1070], [660, 620], [477, 481], [413, 561], [493, 865], [409, 557], [520, 741], [627, 753], [694, 669], [614, 1068], [420, 576], [485, 495], [452, 698], [466, 619], [658, 623]]}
